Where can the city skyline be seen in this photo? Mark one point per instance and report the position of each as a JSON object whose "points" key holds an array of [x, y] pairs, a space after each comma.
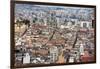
{"points": [[46, 34], [67, 12]]}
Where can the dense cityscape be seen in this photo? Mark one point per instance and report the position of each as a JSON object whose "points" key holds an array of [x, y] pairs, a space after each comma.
{"points": [[53, 34]]}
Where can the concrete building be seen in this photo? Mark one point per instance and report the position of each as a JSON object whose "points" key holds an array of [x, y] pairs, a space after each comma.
{"points": [[26, 59], [53, 54], [86, 24]]}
